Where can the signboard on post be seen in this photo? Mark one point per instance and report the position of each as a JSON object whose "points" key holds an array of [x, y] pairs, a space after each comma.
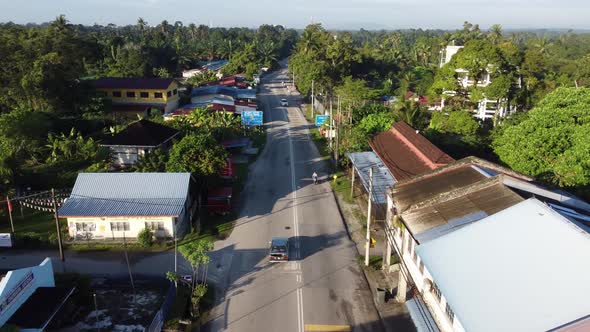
{"points": [[5, 240], [320, 120], [252, 118]]}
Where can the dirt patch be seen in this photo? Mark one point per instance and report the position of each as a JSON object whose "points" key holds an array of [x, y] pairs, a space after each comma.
{"points": [[122, 311]]}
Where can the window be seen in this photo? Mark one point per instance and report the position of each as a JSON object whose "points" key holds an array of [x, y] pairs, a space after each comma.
{"points": [[436, 291], [130, 94], [116, 93], [144, 94], [421, 267], [414, 254], [85, 226], [450, 313], [155, 225], [119, 226], [409, 245], [175, 92], [158, 95], [169, 93]]}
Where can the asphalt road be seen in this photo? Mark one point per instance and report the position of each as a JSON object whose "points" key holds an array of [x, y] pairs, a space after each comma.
{"points": [[322, 288]]}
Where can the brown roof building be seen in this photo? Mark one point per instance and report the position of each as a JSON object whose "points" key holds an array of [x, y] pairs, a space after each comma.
{"points": [[453, 196], [406, 153]]}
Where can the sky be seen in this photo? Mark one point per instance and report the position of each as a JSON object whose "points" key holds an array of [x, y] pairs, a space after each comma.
{"points": [[333, 14]]}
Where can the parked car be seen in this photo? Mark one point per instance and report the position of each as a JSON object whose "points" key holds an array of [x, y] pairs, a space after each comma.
{"points": [[279, 249], [284, 102]]}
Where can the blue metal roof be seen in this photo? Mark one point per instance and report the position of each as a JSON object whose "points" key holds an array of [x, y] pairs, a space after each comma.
{"points": [[224, 90], [216, 65], [127, 194]]}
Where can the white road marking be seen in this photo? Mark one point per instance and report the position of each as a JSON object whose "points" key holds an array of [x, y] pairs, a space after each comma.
{"points": [[295, 223]]}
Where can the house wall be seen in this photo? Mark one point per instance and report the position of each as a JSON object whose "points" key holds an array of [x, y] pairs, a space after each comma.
{"points": [[100, 227], [18, 285], [125, 156], [405, 245], [169, 100]]}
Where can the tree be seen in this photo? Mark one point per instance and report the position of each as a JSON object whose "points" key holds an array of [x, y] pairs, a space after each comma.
{"points": [[376, 123], [195, 252], [152, 161], [495, 34], [145, 237], [199, 154], [410, 112], [552, 141], [456, 122], [202, 77]]}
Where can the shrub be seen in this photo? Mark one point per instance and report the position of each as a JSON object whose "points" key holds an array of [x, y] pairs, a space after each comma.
{"points": [[145, 238]]}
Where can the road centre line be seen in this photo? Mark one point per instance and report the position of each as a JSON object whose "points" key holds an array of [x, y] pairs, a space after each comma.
{"points": [[300, 320]]}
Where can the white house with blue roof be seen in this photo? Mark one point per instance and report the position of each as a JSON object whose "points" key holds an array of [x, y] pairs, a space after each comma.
{"points": [[117, 205]]}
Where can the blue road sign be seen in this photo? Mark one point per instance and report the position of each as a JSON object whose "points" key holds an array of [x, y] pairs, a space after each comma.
{"points": [[320, 120], [252, 118]]}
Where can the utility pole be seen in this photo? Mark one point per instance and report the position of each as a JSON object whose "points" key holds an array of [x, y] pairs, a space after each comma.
{"points": [[336, 154], [331, 124], [312, 101], [352, 182], [96, 309], [61, 250], [175, 250], [10, 213], [368, 242], [128, 266]]}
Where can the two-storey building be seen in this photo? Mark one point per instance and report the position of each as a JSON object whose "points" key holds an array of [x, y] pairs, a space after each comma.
{"points": [[132, 96], [433, 207], [487, 109]]}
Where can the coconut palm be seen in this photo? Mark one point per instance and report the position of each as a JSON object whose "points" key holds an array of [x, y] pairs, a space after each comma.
{"points": [[495, 34], [411, 113]]}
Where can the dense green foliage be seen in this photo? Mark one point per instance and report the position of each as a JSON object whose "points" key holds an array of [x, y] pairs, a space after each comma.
{"points": [[552, 142], [45, 88], [51, 121], [199, 154], [145, 237]]}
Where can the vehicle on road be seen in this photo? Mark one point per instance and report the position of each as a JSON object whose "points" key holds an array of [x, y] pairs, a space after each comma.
{"points": [[279, 249], [284, 102]]}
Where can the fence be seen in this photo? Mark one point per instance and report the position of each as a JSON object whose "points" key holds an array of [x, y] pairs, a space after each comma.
{"points": [[160, 317]]}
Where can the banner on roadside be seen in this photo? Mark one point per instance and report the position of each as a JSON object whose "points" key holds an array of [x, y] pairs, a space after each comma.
{"points": [[320, 120], [252, 118], [5, 240]]}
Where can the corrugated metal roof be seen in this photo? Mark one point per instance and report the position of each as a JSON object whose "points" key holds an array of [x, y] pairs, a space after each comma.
{"points": [[409, 193], [453, 211], [405, 152], [127, 194], [382, 179], [224, 90], [522, 269]]}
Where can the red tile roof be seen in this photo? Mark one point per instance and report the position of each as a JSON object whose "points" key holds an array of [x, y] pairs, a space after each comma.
{"points": [[406, 153]]}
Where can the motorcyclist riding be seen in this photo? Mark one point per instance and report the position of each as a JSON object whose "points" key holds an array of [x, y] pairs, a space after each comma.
{"points": [[315, 177]]}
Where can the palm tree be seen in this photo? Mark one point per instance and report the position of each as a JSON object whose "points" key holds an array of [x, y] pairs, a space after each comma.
{"points": [[495, 34], [267, 53], [542, 44], [411, 113]]}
